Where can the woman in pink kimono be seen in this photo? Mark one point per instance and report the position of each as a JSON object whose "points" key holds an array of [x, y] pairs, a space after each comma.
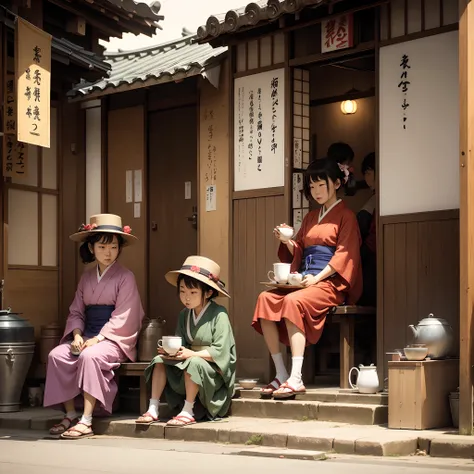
{"points": [[101, 331]]}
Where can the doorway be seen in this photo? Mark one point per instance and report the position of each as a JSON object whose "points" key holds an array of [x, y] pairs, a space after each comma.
{"points": [[172, 155], [337, 105]]}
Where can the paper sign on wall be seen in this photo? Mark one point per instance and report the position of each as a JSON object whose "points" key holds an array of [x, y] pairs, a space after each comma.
{"points": [[337, 33], [129, 186], [211, 198], [33, 70], [259, 131], [137, 185]]}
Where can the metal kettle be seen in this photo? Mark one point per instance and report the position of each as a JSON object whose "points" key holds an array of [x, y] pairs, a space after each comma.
{"points": [[148, 340], [437, 334]]}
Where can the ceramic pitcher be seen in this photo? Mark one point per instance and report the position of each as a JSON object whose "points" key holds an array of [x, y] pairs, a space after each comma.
{"points": [[367, 379]]}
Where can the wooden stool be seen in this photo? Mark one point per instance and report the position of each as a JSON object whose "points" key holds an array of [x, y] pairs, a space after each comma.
{"points": [[136, 369]]}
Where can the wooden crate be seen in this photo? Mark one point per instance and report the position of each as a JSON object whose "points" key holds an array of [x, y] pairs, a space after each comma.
{"points": [[418, 393]]}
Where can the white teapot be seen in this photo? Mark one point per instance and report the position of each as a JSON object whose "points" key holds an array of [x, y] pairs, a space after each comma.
{"points": [[367, 379]]}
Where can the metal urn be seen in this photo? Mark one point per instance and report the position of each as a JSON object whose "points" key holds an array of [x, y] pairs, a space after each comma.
{"points": [[17, 345], [147, 344]]}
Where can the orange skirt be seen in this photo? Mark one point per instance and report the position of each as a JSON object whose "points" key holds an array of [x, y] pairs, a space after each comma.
{"points": [[306, 309]]}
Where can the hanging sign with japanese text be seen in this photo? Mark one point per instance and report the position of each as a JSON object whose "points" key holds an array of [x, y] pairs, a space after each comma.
{"points": [[33, 69], [337, 33], [9, 111], [259, 131], [15, 157]]}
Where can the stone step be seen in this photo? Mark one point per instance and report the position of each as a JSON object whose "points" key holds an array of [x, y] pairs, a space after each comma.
{"points": [[311, 435], [356, 414], [331, 396]]}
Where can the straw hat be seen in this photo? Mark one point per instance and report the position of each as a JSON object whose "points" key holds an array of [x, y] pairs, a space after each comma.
{"points": [[104, 223], [202, 269]]}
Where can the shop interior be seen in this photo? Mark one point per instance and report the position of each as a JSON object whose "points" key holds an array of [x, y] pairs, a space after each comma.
{"points": [[343, 108]]}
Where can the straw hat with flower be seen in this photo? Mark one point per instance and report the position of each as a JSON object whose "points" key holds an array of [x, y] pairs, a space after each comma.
{"points": [[104, 223], [202, 269]]}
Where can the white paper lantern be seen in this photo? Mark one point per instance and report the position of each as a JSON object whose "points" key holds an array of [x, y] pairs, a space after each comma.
{"points": [[349, 107]]}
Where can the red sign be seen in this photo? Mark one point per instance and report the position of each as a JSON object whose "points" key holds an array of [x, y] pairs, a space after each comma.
{"points": [[337, 33]]}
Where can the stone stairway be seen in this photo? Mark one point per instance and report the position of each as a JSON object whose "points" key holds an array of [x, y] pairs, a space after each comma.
{"points": [[321, 404]]}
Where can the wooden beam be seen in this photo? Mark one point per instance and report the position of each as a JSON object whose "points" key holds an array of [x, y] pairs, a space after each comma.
{"points": [[466, 92], [102, 23], [76, 26]]}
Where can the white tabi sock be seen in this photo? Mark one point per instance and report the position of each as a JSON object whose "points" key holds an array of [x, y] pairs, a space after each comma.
{"points": [[296, 367], [188, 409], [154, 406], [86, 419], [281, 372]]}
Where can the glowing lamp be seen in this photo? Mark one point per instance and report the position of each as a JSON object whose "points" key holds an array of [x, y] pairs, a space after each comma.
{"points": [[349, 107]]}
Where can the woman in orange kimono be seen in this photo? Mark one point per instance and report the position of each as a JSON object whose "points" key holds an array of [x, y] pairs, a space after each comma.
{"points": [[326, 251]]}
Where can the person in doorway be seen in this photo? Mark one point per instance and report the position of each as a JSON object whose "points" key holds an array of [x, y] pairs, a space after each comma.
{"points": [[204, 366], [367, 225], [326, 251], [101, 330], [343, 154]]}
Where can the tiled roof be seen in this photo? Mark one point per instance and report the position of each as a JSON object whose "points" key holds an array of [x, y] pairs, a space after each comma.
{"points": [[140, 8], [63, 48], [171, 61], [255, 13]]}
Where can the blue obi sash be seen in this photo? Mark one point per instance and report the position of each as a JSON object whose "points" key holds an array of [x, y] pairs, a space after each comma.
{"points": [[315, 259], [96, 318]]}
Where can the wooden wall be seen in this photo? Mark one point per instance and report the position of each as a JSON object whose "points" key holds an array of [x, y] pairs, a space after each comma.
{"points": [[72, 207], [420, 274], [126, 151], [254, 214], [254, 252], [214, 169], [400, 18]]}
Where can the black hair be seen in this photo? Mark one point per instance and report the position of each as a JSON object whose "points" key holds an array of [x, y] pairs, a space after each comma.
{"points": [[104, 237], [368, 163], [322, 169], [341, 152], [191, 282]]}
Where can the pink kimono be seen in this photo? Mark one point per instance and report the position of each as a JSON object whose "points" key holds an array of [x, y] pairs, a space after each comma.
{"points": [[92, 371]]}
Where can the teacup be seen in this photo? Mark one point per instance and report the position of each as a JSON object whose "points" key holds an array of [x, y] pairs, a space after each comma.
{"points": [[280, 272], [295, 278], [170, 344], [286, 232]]}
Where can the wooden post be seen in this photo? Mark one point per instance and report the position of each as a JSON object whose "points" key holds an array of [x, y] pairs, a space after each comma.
{"points": [[466, 93]]}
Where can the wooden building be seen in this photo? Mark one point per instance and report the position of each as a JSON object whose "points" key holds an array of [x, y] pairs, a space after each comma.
{"points": [[40, 209], [407, 65], [157, 132]]}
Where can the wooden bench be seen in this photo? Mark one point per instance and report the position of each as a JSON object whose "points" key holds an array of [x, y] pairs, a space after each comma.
{"points": [[136, 369], [346, 317]]}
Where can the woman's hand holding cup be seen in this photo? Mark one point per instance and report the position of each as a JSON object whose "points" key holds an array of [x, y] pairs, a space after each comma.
{"points": [[283, 233], [77, 344]]}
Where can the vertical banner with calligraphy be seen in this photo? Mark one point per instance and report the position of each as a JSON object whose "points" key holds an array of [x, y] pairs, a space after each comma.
{"points": [[33, 72], [337, 33], [259, 131], [15, 157], [9, 111]]}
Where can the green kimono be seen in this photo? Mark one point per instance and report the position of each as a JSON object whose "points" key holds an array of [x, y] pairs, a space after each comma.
{"points": [[215, 379]]}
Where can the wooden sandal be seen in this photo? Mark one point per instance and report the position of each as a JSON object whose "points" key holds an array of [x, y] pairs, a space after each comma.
{"points": [[61, 428], [181, 420], [288, 394], [80, 434], [140, 420], [274, 385]]}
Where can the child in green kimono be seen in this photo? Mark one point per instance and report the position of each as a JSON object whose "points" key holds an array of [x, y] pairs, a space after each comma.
{"points": [[204, 366]]}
